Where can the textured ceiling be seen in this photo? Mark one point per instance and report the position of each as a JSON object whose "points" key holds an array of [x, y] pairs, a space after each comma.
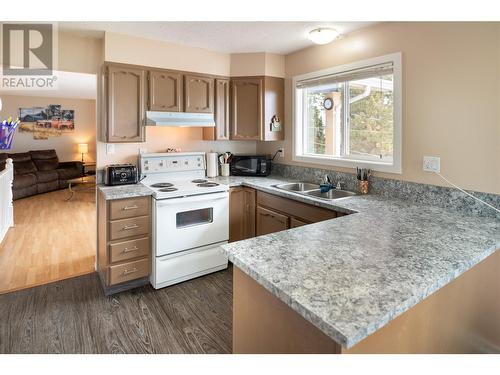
{"points": [[228, 37]]}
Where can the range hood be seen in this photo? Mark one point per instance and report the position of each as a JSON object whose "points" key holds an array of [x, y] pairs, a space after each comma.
{"points": [[179, 119]]}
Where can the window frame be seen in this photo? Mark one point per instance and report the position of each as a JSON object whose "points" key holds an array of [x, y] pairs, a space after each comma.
{"points": [[350, 161]]}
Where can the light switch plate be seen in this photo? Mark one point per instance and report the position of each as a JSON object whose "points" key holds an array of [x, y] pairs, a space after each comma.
{"points": [[110, 148], [432, 164], [143, 150]]}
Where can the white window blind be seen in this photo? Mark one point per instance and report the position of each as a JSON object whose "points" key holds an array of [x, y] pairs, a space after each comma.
{"points": [[350, 75]]}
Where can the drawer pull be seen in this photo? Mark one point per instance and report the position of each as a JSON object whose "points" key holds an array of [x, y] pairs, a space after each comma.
{"points": [[134, 207], [128, 227], [127, 250], [128, 272]]}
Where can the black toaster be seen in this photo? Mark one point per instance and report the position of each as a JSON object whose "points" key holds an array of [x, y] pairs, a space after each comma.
{"points": [[120, 174]]}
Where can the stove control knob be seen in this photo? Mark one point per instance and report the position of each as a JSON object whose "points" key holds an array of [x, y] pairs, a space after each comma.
{"points": [[146, 168], [186, 163]]}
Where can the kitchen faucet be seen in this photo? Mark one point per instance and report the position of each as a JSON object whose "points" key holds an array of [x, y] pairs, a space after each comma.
{"points": [[328, 181]]}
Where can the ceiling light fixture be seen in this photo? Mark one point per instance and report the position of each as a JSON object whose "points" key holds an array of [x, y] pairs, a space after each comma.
{"points": [[323, 35]]}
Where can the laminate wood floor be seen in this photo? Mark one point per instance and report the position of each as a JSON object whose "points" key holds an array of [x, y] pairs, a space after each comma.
{"points": [[74, 316], [51, 240]]}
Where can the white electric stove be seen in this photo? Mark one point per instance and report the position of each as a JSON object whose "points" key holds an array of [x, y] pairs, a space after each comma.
{"points": [[190, 217]]}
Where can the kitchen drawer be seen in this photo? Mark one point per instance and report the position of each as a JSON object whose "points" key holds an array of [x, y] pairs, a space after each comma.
{"points": [[125, 208], [128, 271], [135, 226], [121, 251]]}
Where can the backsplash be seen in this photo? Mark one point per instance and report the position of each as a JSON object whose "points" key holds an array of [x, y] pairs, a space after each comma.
{"points": [[411, 191]]}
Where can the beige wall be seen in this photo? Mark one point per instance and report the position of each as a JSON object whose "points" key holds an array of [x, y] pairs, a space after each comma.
{"points": [[257, 64], [66, 144], [159, 54], [451, 95], [79, 53]]}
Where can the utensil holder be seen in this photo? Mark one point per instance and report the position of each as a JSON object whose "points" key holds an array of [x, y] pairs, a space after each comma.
{"points": [[363, 187], [224, 170]]}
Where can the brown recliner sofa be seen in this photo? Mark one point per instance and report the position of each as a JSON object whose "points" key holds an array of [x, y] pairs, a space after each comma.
{"points": [[40, 171]]}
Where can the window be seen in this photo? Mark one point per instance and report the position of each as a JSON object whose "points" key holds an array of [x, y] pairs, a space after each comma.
{"points": [[350, 115]]}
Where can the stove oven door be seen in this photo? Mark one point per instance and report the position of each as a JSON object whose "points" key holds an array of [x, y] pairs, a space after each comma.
{"points": [[190, 222]]}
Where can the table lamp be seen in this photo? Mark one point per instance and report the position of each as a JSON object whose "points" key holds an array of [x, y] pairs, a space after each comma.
{"points": [[83, 148]]}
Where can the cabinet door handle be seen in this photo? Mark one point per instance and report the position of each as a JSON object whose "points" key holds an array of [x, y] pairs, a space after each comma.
{"points": [[128, 272], [130, 207], [128, 227], [270, 215], [127, 250]]}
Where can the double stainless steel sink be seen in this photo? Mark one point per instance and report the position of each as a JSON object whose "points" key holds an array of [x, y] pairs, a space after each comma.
{"points": [[313, 190]]}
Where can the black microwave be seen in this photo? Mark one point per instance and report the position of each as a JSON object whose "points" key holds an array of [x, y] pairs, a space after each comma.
{"points": [[250, 165]]}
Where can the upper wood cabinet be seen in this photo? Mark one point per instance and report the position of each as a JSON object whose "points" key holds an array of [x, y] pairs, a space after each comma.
{"points": [[221, 131], [246, 108], [125, 104], [165, 91], [241, 213], [198, 93], [257, 102], [274, 108]]}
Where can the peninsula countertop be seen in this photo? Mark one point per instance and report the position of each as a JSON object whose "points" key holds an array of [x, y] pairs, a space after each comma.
{"points": [[352, 275]]}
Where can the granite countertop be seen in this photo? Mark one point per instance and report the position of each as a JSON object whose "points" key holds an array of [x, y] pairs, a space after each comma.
{"points": [[351, 275], [124, 191]]}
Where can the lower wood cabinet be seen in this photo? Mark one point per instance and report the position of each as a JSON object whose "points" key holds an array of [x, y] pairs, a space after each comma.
{"points": [[274, 213], [295, 223], [255, 213], [241, 213], [126, 250], [124, 242], [270, 221], [120, 273]]}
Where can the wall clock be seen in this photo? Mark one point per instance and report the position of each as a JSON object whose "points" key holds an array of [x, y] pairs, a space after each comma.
{"points": [[328, 104]]}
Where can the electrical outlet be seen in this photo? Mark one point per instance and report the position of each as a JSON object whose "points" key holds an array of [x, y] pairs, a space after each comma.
{"points": [[432, 164], [282, 152], [110, 148], [143, 150]]}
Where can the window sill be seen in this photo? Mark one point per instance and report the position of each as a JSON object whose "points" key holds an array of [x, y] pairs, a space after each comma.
{"points": [[348, 163]]}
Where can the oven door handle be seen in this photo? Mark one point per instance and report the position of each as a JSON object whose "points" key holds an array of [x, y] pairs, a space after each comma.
{"points": [[193, 198]]}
